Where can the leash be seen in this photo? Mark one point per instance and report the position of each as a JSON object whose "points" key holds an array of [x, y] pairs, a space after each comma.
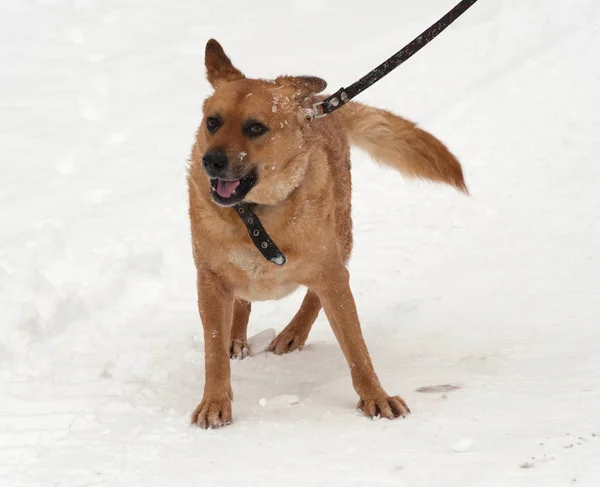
{"points": [[344, 95], [258, 234]]}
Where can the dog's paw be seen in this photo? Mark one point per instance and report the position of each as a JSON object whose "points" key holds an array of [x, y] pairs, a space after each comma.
{"points": [[213, 413], [390, 407], [287, 341], [239, 349]]}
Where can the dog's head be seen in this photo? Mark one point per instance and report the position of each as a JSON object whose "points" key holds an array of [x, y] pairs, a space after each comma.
{"points": [[253, 135]]}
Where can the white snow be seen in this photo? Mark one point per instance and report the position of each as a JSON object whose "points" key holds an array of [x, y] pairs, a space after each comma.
{"points": [[489, 305], [463, 446], [260, 342]]}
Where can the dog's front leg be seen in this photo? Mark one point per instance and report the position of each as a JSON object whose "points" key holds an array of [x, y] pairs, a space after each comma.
{"points": [[338, 302], [215, 302]]}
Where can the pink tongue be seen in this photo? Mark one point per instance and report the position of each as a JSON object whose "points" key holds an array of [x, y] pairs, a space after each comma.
{"points": [[226, 188]]}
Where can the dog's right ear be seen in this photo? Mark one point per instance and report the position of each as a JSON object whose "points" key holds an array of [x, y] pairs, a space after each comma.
{"points": [[218, 65]]}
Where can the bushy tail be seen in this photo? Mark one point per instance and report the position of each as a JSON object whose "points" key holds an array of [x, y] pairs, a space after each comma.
{"points": [[398, 143]]}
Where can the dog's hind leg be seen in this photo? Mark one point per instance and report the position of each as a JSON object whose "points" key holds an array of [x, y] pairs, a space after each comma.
{"points": [[293, 336], [238, 344]]}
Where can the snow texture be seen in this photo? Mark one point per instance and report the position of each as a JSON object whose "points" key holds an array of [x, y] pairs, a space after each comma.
{"points": [[261, 341], [482, 312]]}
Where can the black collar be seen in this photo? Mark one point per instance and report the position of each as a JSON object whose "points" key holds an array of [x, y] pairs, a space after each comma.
{"points": [[259, 235]]}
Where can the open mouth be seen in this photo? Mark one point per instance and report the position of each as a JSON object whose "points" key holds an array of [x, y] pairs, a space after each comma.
{"points": [[229, 192]]}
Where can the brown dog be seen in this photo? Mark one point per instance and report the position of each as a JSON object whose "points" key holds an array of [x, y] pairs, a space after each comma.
{"points": [[257, 145]]}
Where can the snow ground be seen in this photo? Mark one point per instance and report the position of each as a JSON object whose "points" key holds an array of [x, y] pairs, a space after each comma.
{"points": [[101, 359]]}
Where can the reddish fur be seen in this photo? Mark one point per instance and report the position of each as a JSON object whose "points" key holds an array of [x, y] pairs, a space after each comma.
{"points": [[398, 143], [303, 198]]}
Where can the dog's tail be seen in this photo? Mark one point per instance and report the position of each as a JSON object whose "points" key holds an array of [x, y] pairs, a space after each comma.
{"points": [[398, 143]]}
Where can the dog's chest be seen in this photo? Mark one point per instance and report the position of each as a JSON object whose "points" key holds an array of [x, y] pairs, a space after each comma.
{"points": [[265, 280]]}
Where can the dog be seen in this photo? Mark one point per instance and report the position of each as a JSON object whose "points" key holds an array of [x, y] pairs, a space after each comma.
{"points": [[258, 145]]}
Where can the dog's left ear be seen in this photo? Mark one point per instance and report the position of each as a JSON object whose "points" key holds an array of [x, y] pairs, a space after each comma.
{"points": [[303, 86], [218, 65]]}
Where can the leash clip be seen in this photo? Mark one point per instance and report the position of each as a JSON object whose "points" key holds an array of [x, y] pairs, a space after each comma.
{"points": [[314, 112], [328, 105]]}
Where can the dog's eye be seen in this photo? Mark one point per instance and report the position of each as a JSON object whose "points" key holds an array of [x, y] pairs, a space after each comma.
{"points": [[213, 124], [254, 129]]}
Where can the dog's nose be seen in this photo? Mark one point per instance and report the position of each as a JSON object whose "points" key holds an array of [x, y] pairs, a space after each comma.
{"points": [[215, 162]]}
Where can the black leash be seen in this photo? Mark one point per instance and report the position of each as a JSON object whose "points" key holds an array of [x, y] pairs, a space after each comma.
{"points": [[344, 95], [257, 232]]}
